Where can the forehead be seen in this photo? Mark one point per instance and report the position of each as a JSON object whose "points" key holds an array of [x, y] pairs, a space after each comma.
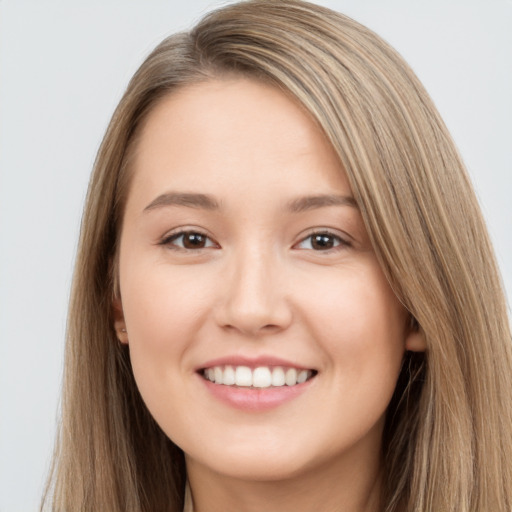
{"points": [[229, 132]]}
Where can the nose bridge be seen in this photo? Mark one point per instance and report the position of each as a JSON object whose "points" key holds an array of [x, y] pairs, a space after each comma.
{"points": [[255, 296]]}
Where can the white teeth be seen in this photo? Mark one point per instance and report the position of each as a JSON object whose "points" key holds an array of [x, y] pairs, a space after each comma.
{"points": [[278, 376], [229, 376], [217, 371], [290, 377], [243, 376], [260, 377], [302, 376]]}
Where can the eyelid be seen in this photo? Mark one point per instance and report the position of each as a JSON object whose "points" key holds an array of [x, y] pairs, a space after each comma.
{"points": [[344, 239], [170, 236]]}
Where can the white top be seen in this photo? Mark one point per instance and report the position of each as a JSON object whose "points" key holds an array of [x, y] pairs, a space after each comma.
{"points": [[188, 505]]}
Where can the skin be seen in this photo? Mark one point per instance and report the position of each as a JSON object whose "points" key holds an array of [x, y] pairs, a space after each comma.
{"points": [[258, 286]]}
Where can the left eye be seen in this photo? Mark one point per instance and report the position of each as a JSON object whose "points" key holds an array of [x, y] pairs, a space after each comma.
{"points": [[189, 240], [322, 242]]}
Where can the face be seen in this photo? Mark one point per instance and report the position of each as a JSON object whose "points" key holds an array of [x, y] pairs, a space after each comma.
{"points": [[263, 335]]}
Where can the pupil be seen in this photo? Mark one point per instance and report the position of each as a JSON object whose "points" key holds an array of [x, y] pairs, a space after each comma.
{"points": [[193, 240], [322, 242]]}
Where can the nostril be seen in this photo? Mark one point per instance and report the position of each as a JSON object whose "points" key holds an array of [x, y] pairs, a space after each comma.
{"points": [[253, 330]]}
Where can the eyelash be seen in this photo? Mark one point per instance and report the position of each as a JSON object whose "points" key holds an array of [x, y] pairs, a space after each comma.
{"points": [[339, 242], [170, 240]]}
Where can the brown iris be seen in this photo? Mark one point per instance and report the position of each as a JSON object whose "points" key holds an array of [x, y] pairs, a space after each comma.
{"points": [[322, 241], [193, 240]]}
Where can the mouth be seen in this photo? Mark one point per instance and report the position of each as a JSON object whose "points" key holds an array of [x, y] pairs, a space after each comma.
{"points": [[259, 377]]}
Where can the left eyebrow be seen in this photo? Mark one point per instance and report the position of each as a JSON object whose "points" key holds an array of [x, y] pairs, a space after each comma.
{"points": [[303, 204], [201, 201]]}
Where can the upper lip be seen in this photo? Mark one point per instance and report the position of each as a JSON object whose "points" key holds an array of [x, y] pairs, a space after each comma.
{"points": [[252, 362]]}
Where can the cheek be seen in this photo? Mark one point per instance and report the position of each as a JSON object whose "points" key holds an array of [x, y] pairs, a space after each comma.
{"points": [[161, 304], [359, 322], [163, 315], [162, 309]]}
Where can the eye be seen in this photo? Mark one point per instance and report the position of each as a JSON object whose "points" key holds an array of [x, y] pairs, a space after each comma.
{"points": [[322, 241], [188, 240]]}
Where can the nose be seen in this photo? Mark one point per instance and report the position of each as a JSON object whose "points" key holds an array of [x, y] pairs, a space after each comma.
{"points": [[253, 299]]}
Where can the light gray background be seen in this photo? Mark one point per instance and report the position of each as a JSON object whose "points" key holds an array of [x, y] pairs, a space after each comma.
{"points": [[63, 67]]}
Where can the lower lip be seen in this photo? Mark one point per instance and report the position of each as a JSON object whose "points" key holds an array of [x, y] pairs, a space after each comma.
{"points": [[255, 399]]}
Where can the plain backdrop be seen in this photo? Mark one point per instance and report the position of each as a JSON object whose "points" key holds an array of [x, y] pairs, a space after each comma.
{"points": [[63, 67]]}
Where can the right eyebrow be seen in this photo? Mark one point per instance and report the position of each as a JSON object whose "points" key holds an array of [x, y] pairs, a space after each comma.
{"points": [[191, 200]]}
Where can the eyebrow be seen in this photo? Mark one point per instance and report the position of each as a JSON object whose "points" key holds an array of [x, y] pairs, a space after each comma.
{"points": [[207, 202], [191, 200], [303, 204]]}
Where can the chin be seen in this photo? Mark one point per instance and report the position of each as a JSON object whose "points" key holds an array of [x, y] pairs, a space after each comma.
{"points": [[267, 459], [261, 468]]}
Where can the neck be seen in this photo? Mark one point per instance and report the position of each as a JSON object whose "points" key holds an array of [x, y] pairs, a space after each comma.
{"points": [[349, 486]]}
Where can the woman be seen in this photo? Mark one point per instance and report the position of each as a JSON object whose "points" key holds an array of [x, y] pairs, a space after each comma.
{"points": [[284, 293]]}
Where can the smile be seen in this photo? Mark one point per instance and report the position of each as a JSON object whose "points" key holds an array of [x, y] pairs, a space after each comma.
{"points": [[259, 377]]}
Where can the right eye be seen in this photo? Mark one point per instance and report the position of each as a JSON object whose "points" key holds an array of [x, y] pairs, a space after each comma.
{"points": [[188, 240]]}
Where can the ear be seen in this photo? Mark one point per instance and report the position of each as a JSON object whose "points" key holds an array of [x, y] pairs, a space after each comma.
{"points": [[415, 339], [119, 323]]}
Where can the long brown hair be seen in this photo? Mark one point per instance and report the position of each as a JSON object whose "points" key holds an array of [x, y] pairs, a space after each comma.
{"points": [[448, 438]]}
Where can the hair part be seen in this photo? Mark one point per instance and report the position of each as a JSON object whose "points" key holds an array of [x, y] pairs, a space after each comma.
{"points": [[447, 442]]}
